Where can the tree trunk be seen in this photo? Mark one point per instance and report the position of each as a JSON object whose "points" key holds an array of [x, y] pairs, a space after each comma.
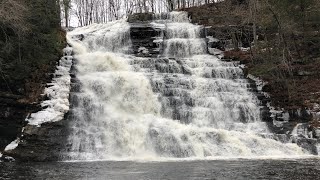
{"points": [[170, 5], [66, 5]]}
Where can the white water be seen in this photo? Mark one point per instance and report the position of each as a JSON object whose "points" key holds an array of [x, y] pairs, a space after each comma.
{"points": [[193, 106]]}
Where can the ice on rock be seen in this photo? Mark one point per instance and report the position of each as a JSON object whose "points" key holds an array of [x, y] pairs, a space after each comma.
{"points": [[57, 92], [14, 144]]}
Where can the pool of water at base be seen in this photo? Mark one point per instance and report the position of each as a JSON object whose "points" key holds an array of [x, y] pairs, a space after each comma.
{"points": [[205, 169]]}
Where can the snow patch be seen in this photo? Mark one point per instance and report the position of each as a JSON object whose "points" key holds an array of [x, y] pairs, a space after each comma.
{"points": [[57, 91], [14, 144]]}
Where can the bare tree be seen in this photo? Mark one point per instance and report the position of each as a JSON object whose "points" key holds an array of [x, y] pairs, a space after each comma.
{"points": [[66, 5], [170, 5], [101, 11], [13, 13]]}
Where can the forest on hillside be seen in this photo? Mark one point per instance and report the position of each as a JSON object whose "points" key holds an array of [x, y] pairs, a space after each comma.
{"points": [[31, 42]]}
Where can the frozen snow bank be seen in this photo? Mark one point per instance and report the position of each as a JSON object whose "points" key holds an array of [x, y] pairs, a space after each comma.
{"points": [[14, 144], [58, 93]]}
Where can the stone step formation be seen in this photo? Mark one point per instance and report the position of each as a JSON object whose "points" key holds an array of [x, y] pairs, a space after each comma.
{"points": [[151, 90]]}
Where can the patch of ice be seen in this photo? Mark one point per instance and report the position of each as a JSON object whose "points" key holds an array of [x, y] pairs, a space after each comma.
{"points": [[317, 132], [212, 39], [158, 40], [259, 82], [158, 25], [245, 49], [216, 52], [276, 114], [315, 112], [318, 148], [302, 129], [143, 50], [14, 144], [57, 91], [9, 159], [286, 116]]}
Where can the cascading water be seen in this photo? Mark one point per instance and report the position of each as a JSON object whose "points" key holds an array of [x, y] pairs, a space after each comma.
{"points": [[184, 103]]}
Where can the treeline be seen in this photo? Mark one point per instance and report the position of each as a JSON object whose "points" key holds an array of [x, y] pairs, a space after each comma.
{"points": [[285, 31], [284, 41], [288, 52], [31, 41], [289, 26], [101, 11]]}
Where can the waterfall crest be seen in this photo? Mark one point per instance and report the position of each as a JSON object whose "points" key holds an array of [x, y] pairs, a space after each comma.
{"points": [[183, 103]]}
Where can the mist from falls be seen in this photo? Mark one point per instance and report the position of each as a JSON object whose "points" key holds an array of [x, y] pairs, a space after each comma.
{"points": [[184, 103]]}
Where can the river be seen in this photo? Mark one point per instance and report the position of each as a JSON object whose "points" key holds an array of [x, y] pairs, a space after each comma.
{"points": [[306, 168]]}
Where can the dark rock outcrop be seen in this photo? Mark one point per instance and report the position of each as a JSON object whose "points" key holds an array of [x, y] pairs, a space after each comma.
{"points": [[12, 115], [143, 38], [43, 143], [140, 17]]}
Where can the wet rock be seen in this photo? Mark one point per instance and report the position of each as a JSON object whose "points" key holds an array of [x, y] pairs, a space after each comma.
{"points": [[5, 158], [144, 40], [43, 143], [12, 115], [215, 43], [79, 37], [309, 145], [140, 17], [316, 132]]}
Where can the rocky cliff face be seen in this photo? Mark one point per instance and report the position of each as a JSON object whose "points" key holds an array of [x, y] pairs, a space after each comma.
{"points": [[28, 140], [14, 109], [12, 114], [43, 143], [15, 106]]}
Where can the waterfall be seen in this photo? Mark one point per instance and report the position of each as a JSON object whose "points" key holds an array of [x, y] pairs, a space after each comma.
{"points": [[183, 103]]}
